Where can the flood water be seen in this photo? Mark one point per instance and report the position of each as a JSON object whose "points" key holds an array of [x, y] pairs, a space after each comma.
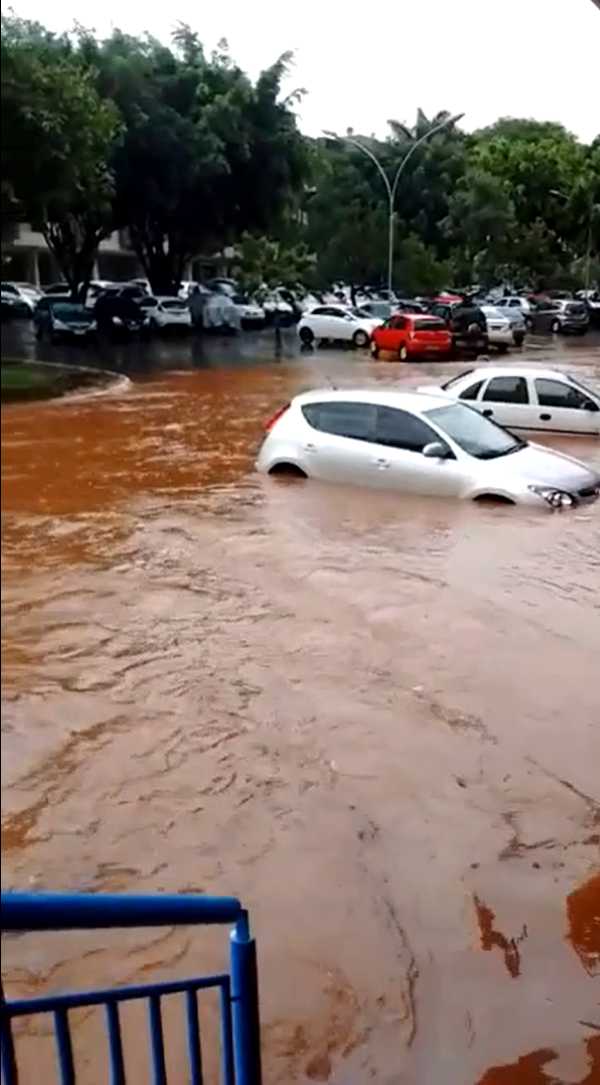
{"points": [[375, 719]]}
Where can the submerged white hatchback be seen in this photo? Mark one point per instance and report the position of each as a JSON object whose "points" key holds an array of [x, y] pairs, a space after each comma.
{"points": [[418, 443]]}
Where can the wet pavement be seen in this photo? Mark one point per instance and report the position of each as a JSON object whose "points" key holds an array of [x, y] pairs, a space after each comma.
{"points": [[373, 718]]}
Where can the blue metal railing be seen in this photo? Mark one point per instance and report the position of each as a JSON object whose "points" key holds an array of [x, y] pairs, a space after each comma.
{"points": [[238, 989]]}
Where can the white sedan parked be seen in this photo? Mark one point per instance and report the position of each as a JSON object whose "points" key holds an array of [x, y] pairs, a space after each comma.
{"points": [[500, 329], [19, 298], [420, 444], [251, 314], [543, 400], [337, 323], [167, 312], [520, 304]]}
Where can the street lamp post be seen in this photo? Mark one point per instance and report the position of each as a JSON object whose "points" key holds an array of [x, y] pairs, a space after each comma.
{"points": [[588, 249], [392, 188]]}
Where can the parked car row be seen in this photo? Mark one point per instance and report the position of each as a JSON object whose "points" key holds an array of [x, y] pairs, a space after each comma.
{"points": [[546, 314], [443, 328], [493, 322]]}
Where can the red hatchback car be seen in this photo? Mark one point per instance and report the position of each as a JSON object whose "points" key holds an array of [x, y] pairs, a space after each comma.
{"points": [[412, 335]]}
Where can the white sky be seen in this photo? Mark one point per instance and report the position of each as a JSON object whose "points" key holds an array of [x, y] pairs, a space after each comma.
{"points": [[363, 63]]}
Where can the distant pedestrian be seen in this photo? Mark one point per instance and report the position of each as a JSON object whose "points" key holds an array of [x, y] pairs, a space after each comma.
{"points": [[196, 303], [278, 335]]}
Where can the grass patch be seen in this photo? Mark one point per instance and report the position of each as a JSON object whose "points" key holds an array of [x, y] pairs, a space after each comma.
{"points": [[26, 382], [22, 381]]}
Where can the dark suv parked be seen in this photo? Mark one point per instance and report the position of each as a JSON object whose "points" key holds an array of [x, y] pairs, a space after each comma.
{"points": [[118, 312], [468, 325]]}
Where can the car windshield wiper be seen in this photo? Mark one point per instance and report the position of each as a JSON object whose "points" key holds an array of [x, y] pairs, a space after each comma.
{"points": [[492, 454]]}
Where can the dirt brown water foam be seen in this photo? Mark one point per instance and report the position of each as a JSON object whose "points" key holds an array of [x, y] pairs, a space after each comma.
{"points": [[359, 713]]}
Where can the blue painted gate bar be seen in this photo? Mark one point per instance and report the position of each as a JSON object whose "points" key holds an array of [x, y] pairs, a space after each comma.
{"points": [[238, 988]]}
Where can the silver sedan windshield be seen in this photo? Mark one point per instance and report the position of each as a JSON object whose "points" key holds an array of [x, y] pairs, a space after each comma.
{"points": [[474, 433]]}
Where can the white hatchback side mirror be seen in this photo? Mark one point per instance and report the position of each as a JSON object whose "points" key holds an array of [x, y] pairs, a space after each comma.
{"points": [[435, 450]]}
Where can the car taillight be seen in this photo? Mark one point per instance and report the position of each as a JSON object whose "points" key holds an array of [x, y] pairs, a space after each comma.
{"points": [[269, 425]]}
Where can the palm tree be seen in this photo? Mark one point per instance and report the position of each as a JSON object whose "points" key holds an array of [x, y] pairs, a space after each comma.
{"points": [[403, 133]]}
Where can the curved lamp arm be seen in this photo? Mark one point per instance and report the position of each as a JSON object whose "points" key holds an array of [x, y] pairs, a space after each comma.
{"points": [[361, 147], [391, 189], [432, 132]]}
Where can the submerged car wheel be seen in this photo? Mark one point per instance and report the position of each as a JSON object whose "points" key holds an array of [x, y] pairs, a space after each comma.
{"points": [[360, 338], [493, 499], [519, 339], [374, 350], [307, 336], [402, 354], [555, 327], [288, 470]]}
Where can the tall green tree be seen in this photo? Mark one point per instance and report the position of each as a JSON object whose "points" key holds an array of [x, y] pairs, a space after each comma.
{"points": [[57, 136], [346, 218], [480, 223], [205, 153], [261, 261], [540, 166]]}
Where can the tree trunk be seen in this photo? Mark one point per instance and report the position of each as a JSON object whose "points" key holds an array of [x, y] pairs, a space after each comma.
{"points": [[74, 245], [161, 257]]}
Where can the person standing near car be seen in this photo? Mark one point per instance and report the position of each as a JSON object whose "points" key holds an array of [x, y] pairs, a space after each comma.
{"points": [[196, 303], [468, 318], [469, 327]]}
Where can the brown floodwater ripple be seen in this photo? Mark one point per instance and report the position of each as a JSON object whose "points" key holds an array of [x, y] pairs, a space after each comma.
{"points": [[373, 718]]}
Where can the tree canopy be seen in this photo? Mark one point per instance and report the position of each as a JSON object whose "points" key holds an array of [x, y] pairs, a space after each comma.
{"points": [[57, 138], [519, 201], [181, 149], [185, 152]]}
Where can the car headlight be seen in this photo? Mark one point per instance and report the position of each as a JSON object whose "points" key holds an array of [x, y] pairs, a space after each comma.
{"points": [[557, 499], [60, 326], [116, 320]]}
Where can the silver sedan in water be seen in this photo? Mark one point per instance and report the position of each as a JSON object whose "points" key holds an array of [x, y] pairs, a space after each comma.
{"points": [[418, 443]]}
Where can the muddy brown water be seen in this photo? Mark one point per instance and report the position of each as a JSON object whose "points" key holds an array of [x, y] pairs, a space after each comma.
{"points": [[374, 719]]}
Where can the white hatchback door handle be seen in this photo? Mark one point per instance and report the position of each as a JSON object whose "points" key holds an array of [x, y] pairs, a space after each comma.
{"points": [[381, 463], [310, 447]]}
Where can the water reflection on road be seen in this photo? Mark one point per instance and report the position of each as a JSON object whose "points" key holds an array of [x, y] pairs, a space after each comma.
{"points": [[373, 718]]}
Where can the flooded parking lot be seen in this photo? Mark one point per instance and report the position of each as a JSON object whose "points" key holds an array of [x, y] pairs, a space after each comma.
{"points": [[373, 718]]}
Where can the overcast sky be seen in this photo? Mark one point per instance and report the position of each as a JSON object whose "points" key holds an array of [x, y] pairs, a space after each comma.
{"points": [[362, 63]]}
